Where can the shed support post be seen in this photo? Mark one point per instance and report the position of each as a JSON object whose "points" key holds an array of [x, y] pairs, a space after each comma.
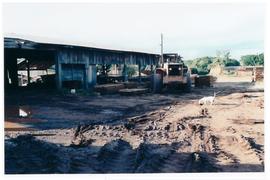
{"points": [[58, 72], [92, 76], [125, 73], [11, 72], [139, 66], [86, 76], [28, 72]]}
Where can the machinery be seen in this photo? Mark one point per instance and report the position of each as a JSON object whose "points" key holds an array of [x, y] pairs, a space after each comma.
{"points": [[176, 75]]}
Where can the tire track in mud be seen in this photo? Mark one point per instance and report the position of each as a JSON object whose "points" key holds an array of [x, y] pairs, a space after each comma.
{"points": [[203, 139], [196, 149], [190, 156], [150, 157], [243, 148], [254, 147], [26, 155], [116, 157], [236, 150], [220, 154], [189, 162], [196, 153], [199, 152], [206, 146]]}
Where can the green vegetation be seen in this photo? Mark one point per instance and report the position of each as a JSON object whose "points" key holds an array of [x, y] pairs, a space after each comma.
{"points": [[252, 60], [232, 62], [203, 65], [200, 65], [131, 70], [104, 69]]}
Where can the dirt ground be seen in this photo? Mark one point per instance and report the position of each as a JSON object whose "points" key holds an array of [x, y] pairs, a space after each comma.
{"points": [[152, 133]]}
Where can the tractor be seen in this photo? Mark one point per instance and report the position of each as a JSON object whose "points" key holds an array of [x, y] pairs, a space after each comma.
{"points": [[176, 75]]}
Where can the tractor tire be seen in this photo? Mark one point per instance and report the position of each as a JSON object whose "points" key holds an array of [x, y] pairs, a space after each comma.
{"points": [[187, 86]]}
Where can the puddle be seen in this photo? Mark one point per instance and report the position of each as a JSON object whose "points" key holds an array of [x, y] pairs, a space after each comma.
{"points": [[18, 111], [18, 118], [11, 126]]}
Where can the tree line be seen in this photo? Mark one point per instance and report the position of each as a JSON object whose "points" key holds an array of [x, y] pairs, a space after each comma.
{"points": [[203, 65]]}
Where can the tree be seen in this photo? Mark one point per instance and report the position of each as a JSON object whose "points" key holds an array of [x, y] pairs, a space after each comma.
{"points": [[189, 62], [252, 60], [261, 59], [104, 69], [221, 58], [131, 70], [232, 62], [202, 64], [194, 70]]}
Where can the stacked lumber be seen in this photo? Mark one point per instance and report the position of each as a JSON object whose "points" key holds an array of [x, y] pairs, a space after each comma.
{"points": [[204, 81], [259, 74], [131, 92], [130, 85], [213, 79], [109, 88]]}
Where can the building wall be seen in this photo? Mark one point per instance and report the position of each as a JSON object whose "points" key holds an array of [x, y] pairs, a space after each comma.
{"points": [[88, 59], [63, 55], [81, 56]]}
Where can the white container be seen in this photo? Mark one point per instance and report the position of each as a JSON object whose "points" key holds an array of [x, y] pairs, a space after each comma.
{"points": [[73, 91]]}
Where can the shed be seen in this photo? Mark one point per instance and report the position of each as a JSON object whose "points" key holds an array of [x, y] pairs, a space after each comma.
{"points": [[74, 61]]}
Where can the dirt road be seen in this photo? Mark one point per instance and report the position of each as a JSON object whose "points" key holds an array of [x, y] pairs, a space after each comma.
{"points": [[155, 133]]}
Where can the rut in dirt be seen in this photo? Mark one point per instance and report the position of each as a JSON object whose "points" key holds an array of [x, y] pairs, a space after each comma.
{"points": [[25, 154]]}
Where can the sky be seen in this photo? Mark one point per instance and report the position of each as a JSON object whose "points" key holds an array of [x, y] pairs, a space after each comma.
{"points": [[192, 30]]}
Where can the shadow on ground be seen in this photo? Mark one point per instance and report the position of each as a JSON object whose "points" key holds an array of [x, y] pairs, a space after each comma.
{"points": [[53, 110], [27, 155]]}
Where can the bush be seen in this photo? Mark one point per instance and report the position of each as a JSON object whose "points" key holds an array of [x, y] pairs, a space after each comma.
{"points": [[131, 70], [232, 62], [252, 60], [200, 65], [202, 71], [194, 70]]}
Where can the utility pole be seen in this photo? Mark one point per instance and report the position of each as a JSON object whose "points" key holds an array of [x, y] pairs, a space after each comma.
{"points": [[162, 60]]}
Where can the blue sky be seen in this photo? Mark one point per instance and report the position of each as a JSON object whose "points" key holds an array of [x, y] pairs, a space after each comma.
{"points": [[192, 30]]}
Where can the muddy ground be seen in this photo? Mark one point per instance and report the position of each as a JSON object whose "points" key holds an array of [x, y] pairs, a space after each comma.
{"points": [[152, 133]]}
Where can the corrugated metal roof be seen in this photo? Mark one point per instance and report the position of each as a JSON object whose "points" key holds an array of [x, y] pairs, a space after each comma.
{"points": [[47, 40]]}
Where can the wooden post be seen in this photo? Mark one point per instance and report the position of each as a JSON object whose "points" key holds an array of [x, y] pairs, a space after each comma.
{"points": [[161, 44], [86, 75], [59, 76], [140, 79], [58, 71], [28, 72], [93, 75], [125, 73], [12, 69]]}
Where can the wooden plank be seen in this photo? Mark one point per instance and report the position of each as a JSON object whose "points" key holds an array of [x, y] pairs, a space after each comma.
{"points": [[109, 88], [131, 92]]}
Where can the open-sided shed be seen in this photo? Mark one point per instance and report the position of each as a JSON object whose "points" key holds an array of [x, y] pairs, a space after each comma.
{"points": [[71, 61]]}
